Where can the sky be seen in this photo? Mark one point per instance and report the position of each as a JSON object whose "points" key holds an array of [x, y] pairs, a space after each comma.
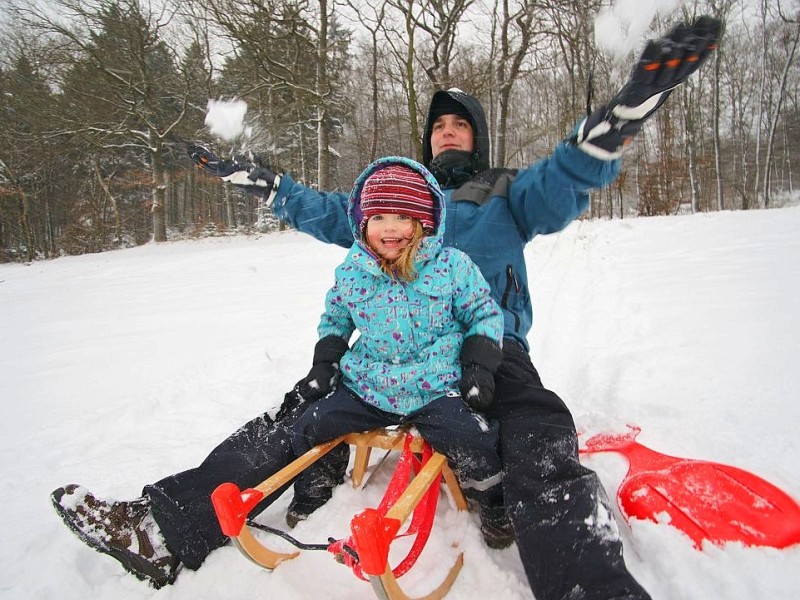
{"points": [[119, 368]]}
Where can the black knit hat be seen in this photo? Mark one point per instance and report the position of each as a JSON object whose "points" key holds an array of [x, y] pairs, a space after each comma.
{"points": [[445, 104]]}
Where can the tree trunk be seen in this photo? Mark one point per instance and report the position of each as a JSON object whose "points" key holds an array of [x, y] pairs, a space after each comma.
{"points": [[373, 146], [323, 135], [112, 200], [230, 211], [717, 142], [416, 138], [762, 91], [25, 229], [690, 136], [773, 127], [158, 195]]}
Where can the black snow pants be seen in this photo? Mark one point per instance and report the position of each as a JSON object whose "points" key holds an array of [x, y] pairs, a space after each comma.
{"points": [[558, 508], [181, 503], [466, 438]]}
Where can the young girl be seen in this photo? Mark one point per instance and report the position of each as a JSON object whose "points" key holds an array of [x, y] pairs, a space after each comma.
{"points": [[428, 341]]}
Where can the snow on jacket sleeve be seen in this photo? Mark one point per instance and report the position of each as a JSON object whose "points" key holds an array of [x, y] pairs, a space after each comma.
{"points": [[473, 305], [322, 215], [551, 193]]}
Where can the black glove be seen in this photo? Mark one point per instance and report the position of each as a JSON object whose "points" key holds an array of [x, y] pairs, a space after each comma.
{"points": [[238, 170], [480, 358], [665, 63], [292, 402], [324, 373]]}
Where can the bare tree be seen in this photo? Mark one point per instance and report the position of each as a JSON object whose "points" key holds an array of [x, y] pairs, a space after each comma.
{"points": [[373, 23], [722, 9], [288, 51], [512, 24], [791, 40], [426, 38], [141, 98]]}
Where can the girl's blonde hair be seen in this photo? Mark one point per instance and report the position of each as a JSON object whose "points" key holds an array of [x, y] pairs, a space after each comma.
{"points": [[401, 267]]}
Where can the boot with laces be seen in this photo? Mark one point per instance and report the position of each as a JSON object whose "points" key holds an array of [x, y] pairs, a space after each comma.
{"points": [[125, 531]]}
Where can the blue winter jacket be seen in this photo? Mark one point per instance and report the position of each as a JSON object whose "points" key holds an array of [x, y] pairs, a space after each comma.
{"points": [[410, 334], [492, 226]]}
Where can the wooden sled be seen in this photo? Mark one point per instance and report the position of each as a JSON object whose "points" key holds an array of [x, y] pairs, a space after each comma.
{"points": [[372, 530]]}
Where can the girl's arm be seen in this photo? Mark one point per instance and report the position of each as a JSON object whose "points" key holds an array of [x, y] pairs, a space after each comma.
{"points": [[473, 305], [336, 319]]}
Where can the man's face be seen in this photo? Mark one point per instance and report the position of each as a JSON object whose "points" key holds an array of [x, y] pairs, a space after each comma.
{"points": [[451, 132]]}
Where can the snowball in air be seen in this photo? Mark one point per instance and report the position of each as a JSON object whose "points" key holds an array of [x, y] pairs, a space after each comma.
{"points": [[225, 118]]}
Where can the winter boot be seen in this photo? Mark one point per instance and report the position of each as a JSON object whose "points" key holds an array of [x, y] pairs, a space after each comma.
{"points": [[315, 485], [125, 531], [495, 526], [301, 507]]}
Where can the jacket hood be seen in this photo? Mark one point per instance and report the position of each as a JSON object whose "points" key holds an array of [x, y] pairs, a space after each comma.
{"points": [[354, 205], [443, 102]]}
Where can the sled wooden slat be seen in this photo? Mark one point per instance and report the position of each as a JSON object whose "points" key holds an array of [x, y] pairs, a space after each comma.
{"points": [[394, 440], [454, 487], [296, 467], [406, 503]]}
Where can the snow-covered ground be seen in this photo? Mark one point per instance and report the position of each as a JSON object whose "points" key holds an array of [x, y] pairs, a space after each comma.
{"points": [[117, 369]]}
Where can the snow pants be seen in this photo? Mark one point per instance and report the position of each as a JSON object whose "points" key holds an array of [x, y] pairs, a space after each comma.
{"points": [[467, 439], [562, 519], [181, 503]]}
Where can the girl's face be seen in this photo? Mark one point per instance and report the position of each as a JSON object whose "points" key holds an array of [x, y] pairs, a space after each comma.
{"points": [[388, 234]]}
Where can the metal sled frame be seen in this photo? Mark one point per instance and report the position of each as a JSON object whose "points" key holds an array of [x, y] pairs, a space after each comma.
{"points": [[233, 506]]}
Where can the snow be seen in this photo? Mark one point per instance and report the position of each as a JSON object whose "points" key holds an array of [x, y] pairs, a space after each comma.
{"points": [[620, 27], [225, 118], [119, 368]]}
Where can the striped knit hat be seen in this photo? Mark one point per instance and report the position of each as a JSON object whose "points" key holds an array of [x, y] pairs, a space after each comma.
{"points": [[397, 189]]}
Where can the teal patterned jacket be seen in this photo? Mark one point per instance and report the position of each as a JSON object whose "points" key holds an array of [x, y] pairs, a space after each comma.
{"points": [[409, 334]]}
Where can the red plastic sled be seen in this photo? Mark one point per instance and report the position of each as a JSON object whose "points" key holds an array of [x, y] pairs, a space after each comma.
{"points": [[705, 500]]}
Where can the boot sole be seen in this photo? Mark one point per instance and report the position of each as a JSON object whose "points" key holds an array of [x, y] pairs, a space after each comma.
{"points": [[132, 563]]}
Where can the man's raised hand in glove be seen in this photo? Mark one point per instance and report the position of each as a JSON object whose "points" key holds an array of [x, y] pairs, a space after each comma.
{"points": [[237, 171], [665, 63]]}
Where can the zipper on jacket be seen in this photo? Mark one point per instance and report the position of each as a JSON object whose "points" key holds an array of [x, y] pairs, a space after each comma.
{"points": [[511, 284]]}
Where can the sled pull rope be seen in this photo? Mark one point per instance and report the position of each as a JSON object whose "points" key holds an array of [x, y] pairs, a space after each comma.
{"points": [[302, 545], [282, 534]]}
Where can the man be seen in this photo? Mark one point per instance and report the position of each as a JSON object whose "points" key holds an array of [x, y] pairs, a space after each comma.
{"points": [[554, 503]]}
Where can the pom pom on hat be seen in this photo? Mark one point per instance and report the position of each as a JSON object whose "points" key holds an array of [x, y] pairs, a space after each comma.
{"points": [[397, 189]]}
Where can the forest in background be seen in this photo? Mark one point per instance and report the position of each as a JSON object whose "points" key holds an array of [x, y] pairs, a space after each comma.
{"points": [[98, 99]]}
